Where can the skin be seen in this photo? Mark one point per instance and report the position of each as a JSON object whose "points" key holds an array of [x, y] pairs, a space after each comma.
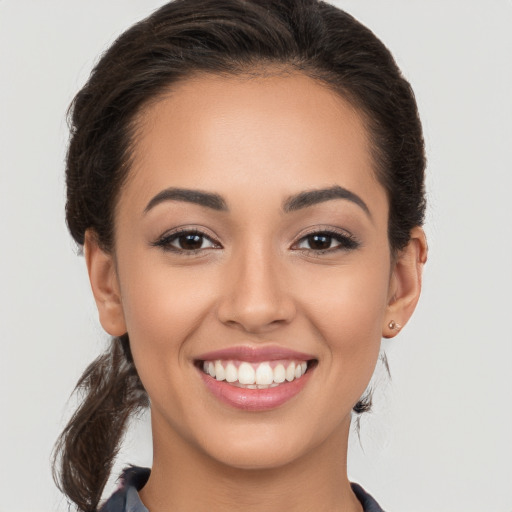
{"points": [[255, 281]]}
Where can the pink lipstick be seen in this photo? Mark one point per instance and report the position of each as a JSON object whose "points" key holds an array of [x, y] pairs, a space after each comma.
{"points": [[255, 379]]}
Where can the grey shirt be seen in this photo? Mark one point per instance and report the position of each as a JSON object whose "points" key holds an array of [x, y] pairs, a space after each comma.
{"points": [[126, 498]]}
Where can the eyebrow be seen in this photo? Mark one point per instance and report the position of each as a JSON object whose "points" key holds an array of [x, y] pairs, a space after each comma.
{"points": [[292, 204], [312, 197], [206, 199]]}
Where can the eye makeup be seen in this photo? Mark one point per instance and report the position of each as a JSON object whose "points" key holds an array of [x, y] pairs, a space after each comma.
{"points": [[186, 241], [189, 241]]}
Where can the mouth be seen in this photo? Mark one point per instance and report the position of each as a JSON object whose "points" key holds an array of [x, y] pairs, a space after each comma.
{"points": [[255, 380], [254, 375]]}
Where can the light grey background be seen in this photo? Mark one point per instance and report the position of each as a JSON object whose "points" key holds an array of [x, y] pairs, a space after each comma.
{"points": [[440, 439]]}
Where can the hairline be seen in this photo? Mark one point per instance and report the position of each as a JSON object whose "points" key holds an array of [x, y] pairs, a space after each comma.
{"points": [[258, 69]]}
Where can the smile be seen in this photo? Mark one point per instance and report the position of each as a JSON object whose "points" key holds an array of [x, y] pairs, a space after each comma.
{"points": [[255, 378], [249, 375]]}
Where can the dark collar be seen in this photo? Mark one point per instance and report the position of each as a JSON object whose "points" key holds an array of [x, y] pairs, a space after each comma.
{"points": [[133, 479]]}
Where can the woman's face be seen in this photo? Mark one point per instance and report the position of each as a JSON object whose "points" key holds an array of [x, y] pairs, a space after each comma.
{"points": [[251, 241]]}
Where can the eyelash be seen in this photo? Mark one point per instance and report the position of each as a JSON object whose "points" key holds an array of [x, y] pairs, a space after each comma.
{"points": [[165, 242], [346, 242]]}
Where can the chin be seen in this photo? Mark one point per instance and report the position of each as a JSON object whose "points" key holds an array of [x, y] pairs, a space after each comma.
{"points": [[261, 454], [267, 445]]}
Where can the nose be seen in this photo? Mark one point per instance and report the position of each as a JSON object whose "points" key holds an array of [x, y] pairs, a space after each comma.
{"points": [[255, 296]]}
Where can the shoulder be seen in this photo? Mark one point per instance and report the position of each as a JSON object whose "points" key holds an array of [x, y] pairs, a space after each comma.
{"points": [[126, 498], [367, 501]]}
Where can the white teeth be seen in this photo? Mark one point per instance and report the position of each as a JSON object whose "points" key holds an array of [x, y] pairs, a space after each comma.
{"points": [[290, 372], [264, 374], [246, 374], [279, 374], [231, 373], [255, 375], [220, 373]]}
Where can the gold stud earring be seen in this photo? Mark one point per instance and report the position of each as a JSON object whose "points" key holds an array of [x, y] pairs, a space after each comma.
{"points": [[394, 326]]}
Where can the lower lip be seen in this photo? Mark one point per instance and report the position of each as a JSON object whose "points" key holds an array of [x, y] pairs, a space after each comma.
{"points": [[255, 399]]}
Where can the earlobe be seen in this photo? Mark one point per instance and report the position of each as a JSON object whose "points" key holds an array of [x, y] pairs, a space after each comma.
{"points": [[405, 283], [105, 286]]}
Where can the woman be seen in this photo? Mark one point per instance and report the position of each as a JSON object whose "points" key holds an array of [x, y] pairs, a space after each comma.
{"points": [[246, 180]]}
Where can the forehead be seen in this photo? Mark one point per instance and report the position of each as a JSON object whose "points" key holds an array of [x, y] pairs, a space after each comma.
{"points": [[273, 134]]}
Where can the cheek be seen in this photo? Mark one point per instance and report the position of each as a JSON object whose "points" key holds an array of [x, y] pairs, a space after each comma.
{"points": [[162, 308], [348, 309], [349, 300]]}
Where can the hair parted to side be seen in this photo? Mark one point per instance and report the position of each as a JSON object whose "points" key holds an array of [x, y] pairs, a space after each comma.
{"points": [[222, 37]]}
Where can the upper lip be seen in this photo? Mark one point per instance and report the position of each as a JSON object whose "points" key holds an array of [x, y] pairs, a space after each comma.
{"points": [[254, 354]]}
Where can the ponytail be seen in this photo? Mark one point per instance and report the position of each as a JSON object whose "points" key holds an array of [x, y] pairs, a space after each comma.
{"points": [[85, 451]]}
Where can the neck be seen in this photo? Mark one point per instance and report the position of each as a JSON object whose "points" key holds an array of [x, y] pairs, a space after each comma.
{"points": [[185, 479]]}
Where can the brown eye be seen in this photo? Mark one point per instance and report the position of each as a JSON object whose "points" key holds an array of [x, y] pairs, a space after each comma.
{"points": [[186, 242], [319, 242], [326, 241], [190, 242]]}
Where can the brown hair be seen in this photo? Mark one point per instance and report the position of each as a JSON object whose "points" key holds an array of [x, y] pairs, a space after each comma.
{"points": [[222, 37]]}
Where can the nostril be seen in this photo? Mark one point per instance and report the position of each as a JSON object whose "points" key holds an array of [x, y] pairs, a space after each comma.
{"points": [[256, 303], [256, 320]]}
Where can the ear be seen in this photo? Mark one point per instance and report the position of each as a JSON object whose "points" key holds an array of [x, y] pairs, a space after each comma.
{"points": [[405, 283], [105, 285]]}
